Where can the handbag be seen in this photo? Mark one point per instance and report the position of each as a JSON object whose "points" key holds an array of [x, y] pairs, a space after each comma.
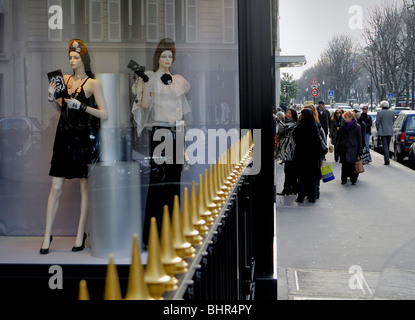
{"points": [[327, 173], [331, 149], [358, 166], [366, 157], [321, 144]]}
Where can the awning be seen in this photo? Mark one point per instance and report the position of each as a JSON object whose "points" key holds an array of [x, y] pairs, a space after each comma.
{"points": [[290, 61]]}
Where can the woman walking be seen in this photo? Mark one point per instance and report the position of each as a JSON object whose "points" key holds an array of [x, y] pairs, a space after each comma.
{"points": [[349, 146], [285, 151], [307, 158], [335, 124]]}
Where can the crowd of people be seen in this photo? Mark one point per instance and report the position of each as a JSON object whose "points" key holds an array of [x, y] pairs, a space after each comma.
{"points": [[298, 145]]}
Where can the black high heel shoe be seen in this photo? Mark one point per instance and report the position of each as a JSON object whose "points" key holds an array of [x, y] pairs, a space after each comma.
{"points": [[46, 251], [82, 247]]}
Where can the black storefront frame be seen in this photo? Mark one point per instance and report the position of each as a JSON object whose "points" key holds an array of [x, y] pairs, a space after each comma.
{"points": [[257, 98]]}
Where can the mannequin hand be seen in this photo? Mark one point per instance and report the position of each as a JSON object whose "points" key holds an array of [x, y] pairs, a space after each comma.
{"points": [[73, 104], [76, 105], [51, 91]]}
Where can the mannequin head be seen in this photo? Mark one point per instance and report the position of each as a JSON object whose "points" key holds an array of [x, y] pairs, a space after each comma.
{"points": [[165, 45], [78, 49]]}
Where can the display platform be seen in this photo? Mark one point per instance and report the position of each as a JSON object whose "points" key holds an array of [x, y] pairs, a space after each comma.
{"points": [[26, 274]]}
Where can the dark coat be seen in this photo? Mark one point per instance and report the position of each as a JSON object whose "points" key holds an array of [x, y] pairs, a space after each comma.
{"points": [[306, 156], [333, 128], [349, 143]]}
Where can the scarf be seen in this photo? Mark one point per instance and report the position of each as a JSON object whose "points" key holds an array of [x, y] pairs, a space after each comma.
{"points": [[349, 125]]}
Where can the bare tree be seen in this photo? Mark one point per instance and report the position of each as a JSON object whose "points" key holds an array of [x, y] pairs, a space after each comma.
{"points": [[387, 54]]}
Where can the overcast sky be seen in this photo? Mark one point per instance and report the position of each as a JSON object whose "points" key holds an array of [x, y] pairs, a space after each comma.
{"points": [[307, 26]]}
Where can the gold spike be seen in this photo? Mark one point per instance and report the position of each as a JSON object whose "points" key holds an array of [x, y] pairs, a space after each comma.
{"points": [[223, 179], [83, 291], [218, 183], [155, 276], [189, 231], [173, 264], [112, 282], [197, 221], [183, 248], [211, 205], [202, 204], [137, 288]]}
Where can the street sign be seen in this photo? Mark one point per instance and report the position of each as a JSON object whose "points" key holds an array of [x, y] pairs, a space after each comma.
{"points": [[390, 95], [314, 92], [331, 94], [314, 83]]}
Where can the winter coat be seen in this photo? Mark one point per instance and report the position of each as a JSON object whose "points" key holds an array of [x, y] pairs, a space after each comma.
{"points": [[306, 155], [367, 119], [286, 144], [349, 143], [384, 122], [333, 128]]}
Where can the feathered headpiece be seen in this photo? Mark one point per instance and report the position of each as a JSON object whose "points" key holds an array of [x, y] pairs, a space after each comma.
{"points": [[78, 46]]}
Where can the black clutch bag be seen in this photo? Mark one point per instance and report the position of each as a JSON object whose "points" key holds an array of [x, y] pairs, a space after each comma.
{"points": [[61, 89]]}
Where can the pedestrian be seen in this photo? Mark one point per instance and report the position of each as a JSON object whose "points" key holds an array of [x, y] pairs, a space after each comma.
{"points": [[384, 126], [324, 117], [336, 123], [367, 119], [307, 158], [358, 116], [285, 151], [76, 141], [349, 146]]}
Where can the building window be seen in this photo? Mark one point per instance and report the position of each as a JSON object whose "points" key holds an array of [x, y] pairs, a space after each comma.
{"points": [[96, 31], [114, 20], [170, 19], [191, 21], [2, 35], [229, 21], [152, 21]]}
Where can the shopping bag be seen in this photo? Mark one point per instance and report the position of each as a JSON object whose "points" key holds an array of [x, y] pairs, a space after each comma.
{"points": [[327, 173], [358, 167], [366, 157]]}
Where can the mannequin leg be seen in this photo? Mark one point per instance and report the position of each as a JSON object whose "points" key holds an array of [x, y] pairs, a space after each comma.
{"points": [[84, 211], [52, 208]]}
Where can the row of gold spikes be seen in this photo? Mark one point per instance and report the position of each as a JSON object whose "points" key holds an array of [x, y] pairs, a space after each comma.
{"points": [[167, 258]]}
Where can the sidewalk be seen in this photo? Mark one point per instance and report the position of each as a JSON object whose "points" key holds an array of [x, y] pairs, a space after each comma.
{"points": [[367, 229]]}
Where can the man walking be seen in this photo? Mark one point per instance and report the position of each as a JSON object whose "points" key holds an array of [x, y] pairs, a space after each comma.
{"points": [[384, 125], [367, 119], [324, 117]]}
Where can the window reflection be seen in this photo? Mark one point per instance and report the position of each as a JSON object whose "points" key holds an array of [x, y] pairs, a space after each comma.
{"points": [[116, 31]]}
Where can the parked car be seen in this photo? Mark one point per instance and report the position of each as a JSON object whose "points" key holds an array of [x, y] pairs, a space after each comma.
{"points": [[398, 110], [375, 141], [403, 135], [411, 156]]}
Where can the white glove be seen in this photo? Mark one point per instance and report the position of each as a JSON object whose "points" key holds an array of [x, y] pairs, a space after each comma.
{"points": [[76, 105], [51, 91]]}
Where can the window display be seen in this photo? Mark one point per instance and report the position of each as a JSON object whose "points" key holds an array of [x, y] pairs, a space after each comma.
{"points": [[204, 79]]}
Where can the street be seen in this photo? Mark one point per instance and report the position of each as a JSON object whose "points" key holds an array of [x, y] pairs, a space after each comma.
{"points": [[356, 242]]}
